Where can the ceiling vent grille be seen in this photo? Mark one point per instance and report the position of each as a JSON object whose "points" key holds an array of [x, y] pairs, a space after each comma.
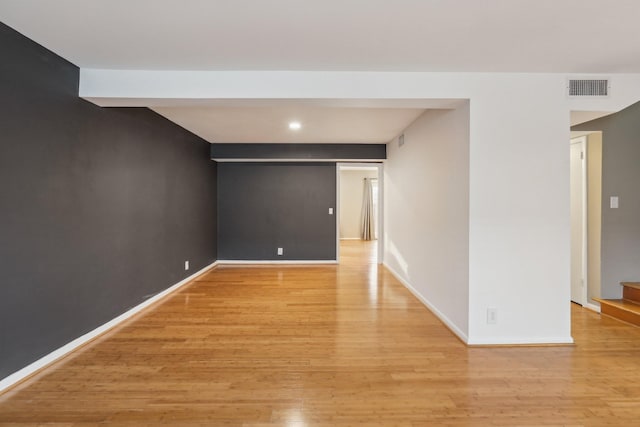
{"points": [[591, 87]]}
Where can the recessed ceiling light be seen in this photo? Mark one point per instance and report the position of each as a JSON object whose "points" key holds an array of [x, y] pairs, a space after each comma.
{"points": [[294, 125]]}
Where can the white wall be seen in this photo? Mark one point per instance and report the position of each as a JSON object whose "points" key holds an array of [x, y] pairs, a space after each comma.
{"points": [[351, 194], [427, 212], [518, 168], [519, 246]]}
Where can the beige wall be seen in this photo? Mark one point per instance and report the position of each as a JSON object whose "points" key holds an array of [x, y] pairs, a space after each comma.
{"points": [[351, 192], [594, 213]]}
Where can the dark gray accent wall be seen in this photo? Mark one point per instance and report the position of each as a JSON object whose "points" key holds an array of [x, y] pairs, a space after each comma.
{"points": [[299, 151], [263, 206], [99, 207], [620, 252]]}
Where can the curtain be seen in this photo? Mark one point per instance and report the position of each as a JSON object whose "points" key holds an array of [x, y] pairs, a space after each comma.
{"points": [[368, 228]]}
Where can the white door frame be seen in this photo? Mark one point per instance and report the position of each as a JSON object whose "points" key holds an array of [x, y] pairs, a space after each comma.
{"points": [[380, 224], [582, 141]]}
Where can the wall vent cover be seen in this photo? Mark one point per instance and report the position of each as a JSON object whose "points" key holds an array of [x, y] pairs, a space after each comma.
{"points": [[589, 87]]}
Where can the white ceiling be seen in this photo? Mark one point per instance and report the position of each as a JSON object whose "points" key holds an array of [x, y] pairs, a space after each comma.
{"points": [[577, 36], [578, 117], [577, 134], [358, 168], [568, 36], [373, 121], [270, 124]]}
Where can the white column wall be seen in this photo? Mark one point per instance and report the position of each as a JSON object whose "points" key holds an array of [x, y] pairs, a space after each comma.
{"points": [[519, 220]]}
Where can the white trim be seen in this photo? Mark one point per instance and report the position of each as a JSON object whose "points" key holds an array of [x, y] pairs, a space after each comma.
{"points": [[358, 168], [463, 337], [283, 262], [56, 355], [337, 211], [443, 318], [350, 238], [223, 160], [520, 341], [585, 224], [592, 307], [582, 141], [380, 213]]}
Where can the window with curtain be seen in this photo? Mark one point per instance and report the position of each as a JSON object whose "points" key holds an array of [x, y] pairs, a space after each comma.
{"points": [[369, 209]]}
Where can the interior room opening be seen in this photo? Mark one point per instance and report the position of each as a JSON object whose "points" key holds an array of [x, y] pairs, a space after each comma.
{"points": [[359, 221]]}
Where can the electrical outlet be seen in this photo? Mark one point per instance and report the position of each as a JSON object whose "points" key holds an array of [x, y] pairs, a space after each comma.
{"points": [[330, 211], [492, 316], [280, 251], [186, 265]]}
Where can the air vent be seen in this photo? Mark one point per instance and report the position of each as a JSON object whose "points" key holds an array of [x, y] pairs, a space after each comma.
{"points": [[592, 87], [401, 140]]}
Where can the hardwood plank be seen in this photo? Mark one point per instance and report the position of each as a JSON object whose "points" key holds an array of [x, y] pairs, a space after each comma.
{"points": [[631, 292], [326, 345]]}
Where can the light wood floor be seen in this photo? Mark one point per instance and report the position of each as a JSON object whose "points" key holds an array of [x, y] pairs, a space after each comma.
{"points": [[326, 346]]}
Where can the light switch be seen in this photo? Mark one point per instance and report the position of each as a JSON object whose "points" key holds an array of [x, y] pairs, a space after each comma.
{"points": [[614, 202], [330, 211]]}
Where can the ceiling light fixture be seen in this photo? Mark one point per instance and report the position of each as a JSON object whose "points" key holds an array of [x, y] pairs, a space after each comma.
{"points": [[294, 125]]}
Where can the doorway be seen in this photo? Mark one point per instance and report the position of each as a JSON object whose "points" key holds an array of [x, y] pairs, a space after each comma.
{"points": [[359, 207], [578, 174], [586, 218]]}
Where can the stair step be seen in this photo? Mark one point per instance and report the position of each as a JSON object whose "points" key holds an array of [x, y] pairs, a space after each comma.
{"points": [[621, 309], [631, 284], [631, 291]]}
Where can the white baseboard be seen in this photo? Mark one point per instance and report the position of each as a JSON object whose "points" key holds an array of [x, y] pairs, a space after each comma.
{"points": [[55, 355], [350, 238], [593, 307], [488, 341], [267, 262], [444, 319], [523, 341]]}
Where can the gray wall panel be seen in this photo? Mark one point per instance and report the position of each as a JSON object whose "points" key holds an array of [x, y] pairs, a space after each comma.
{"points": [[99, 207], [263, 206]]}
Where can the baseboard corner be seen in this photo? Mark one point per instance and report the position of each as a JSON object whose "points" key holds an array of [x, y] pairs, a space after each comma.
{"points": [[441, 316]]}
